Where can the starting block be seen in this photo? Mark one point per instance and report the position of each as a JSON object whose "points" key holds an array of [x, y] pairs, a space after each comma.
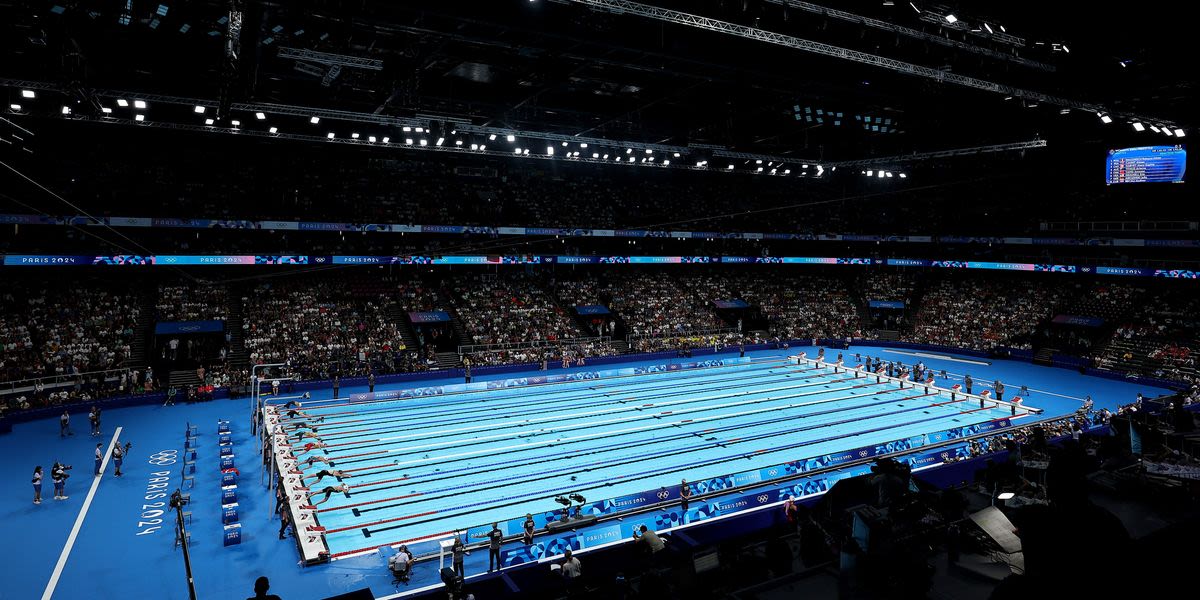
{"points": [[228, 495], [229, 514], [233, 534]]}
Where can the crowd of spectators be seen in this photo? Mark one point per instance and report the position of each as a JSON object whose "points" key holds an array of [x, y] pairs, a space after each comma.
{"points": [[352, 325], [192, 303], [585, 292], [572, 354], [805, 307], [981, 314], [63, 345], [510, 309], [322, 327], [56, 331], [1160, 338], [657, 304]]}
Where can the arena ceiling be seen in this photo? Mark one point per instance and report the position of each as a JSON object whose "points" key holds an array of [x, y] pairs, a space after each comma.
{"points": [[580, 69]]}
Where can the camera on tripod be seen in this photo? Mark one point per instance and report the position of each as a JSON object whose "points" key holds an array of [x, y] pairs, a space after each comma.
{"points": [[177, 500]]}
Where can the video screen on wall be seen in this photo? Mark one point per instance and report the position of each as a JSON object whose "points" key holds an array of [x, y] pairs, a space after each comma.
{"points": [[1146, 164]]}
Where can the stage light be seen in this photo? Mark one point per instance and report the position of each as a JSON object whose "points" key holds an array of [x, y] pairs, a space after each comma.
{"points": [[457, 142], [525, 152], [550, 150], [1005, 496], [888, 173], [371, 139], [649, 151], [595, 155], [871, 173], [439, 141], [605, 157], [1066, 49], [1178, 132], [914, 7], [676, 155], [482, 147], [787, 171], [15, 106], [315, 120], [988, 28], [139, 118], [651, 159], [209, 122], [260, 116], [758, 162], [629, 151], [274, 130], [198, 110], [474, 146], [730, 167], [517, 150], [408, 141], [386, 139], [234, 123], [583, 145], [564, 144], [492, 138], [759, 170], [903, 176], [511, 138], [1139, 127], [1105, 119], [1154, 128], [28, 94], [139, 104], [330, 135], [424, 142], [106, 110], [66, 110], [420, 130], [667, 163], [879, 174], [122, 102], [951, 19], [354, 135], [407, 129], [1167, 130]]}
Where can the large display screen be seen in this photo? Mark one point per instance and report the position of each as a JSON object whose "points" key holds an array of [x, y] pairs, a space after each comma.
{"points": [[1147, 164]]}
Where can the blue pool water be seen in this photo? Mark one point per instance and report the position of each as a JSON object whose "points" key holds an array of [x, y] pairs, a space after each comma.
{"points": [[429, 466]]}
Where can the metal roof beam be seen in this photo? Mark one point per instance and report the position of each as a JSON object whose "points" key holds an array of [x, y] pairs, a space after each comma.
{"points": [[620, 7]]}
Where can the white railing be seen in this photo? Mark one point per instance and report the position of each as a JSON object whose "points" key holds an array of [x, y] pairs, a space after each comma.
{"points": [[56, 382]]}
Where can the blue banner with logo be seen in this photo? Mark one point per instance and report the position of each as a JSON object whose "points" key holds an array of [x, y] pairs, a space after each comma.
{"points": [[591, 309], [183, 327], [730, 303], [433, 316]]}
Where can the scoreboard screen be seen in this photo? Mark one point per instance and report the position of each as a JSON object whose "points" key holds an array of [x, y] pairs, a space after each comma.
{"points": [[1147, 164]]}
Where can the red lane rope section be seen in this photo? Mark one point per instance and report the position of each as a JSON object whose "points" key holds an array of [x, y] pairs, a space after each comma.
{"points": [[393, 520]]}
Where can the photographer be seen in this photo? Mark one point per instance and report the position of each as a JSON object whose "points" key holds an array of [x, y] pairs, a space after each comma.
{"points": [[59, 475]]}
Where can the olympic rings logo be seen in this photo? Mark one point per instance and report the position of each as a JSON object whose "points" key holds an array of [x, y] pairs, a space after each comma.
{"points": [[762, 499], [163, 458], [663, 495]]}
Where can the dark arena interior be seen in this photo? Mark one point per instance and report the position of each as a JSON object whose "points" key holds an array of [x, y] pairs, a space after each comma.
{"points": [[597, 299]]}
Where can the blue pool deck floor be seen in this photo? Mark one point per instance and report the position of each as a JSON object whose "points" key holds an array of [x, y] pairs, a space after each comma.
{"points": [[123, 547]]}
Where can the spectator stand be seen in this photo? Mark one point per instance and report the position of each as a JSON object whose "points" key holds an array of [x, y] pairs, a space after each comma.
{"points": [[572, 349]]}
